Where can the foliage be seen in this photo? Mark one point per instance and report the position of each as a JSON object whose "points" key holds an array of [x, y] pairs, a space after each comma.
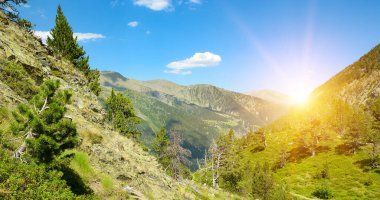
{"points": [[121, 114], [25, 24], [93, 76], [259, 182], [61, 40], [8, 7], [323, 192], [357, 129], [42, 120], [18, 79], [30, 181], [373, 136], [160, 147], [221, 165], [64, 44]]}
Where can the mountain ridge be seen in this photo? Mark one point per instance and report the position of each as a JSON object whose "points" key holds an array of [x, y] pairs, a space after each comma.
{"points": [[199, 111]]}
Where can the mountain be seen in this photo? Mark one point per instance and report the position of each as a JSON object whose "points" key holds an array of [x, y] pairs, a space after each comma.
{"points": [[272, 96], [327, 148], [198, 112], [356, 84], [105, 163]]}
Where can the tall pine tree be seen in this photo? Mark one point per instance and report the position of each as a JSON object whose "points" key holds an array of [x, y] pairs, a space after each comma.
{"points": [[62, 40], [64, 44]]}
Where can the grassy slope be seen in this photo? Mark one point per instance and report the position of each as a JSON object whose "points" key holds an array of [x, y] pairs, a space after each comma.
{"points": [[347, 178]]}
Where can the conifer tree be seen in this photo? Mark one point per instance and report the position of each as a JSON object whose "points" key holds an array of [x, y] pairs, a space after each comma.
{"points": [[62, 40], [8, 7], [47, 132], [64, 44], [357, 129], [160, 147], [121, 114]]}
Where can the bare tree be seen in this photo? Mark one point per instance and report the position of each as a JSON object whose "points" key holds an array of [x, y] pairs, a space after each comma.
{"points": [[216, 157], [178, 154]]}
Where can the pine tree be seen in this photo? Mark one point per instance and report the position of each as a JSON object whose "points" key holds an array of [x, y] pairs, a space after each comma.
{"points": [[42, 122], [121, 114], [8, 7], [64, 44], [160, 147], [357, 129], [62, 40], [262, 181]]}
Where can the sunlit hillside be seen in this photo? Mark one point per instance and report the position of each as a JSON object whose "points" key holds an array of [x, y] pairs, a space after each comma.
{"points": [[327, 147]]}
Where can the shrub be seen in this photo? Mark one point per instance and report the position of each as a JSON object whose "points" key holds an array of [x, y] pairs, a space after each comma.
{"points": [[323, 192], [30, 181]]}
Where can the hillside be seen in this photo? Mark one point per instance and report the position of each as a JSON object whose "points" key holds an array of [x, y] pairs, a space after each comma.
{"points": [[356, 84], [199, 112], [327, 147], [110, 165]]}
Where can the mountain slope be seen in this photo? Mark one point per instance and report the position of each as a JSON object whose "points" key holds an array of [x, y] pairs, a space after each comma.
{"points": [[198, 112], [317, 138], [356, 84], [113, 166]]}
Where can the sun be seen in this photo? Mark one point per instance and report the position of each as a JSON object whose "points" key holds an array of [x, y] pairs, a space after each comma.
{"points": [[300, 96]]}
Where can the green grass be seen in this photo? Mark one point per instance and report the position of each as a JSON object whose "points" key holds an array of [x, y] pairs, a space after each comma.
{"points": [[106, 182], [81, 164]]}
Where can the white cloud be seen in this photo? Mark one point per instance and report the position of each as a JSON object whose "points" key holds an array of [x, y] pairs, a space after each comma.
{"points": [[195, 1], [206, 59], [42, 34], [88, 36], [156, 5], [133, 24], [83, 37]]}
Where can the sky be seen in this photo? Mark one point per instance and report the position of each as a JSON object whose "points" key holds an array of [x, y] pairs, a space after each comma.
{"points": [[289, 46]]}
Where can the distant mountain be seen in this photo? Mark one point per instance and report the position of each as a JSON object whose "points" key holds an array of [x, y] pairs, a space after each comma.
{"points": [[272, 96], [198, 112]]}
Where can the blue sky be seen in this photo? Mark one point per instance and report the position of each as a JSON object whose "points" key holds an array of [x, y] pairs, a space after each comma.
{"points": [[290, 46]]}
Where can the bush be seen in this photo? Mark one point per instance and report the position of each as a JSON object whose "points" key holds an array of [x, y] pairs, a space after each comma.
{"points": [[121, 114], [323, 192], [30, 181], [323, 173], [93, 76]]}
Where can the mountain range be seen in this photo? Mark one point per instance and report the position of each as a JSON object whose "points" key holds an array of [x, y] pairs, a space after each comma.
{"points": [[199, 112]]}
